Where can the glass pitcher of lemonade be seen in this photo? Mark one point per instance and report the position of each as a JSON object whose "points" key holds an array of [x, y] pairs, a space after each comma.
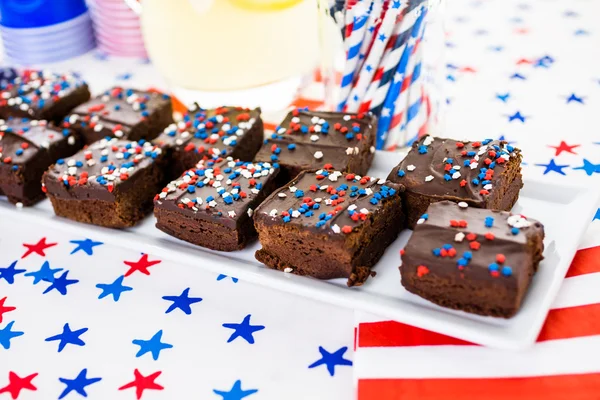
{"points": [[247, 52]]}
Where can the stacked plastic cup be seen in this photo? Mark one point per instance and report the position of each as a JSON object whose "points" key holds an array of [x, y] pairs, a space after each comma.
{"points": [[118, 29], [43, 31]]}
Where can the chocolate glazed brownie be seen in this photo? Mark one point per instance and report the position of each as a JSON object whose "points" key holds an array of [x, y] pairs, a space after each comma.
{"points": [[220, 132], [111, 183], [307, 140], [122, 113], [328, 224], [27, 149], [41, 95], [484, 174], [212, 204], [475, 260]]}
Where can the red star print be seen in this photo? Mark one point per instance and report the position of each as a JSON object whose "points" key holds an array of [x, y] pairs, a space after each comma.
{"points": [[141, 265], [141, 383], [4, 309], [16, 384], [468, 69], [524, 61], [521, 31], [38, 248], [563, 146]]}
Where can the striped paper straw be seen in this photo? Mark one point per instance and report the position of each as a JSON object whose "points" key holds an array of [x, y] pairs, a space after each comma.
{"points": [[408, 103], [375, 17], [354, 35], [415, 112], [380, 85], [397, 83], [374, 56]]}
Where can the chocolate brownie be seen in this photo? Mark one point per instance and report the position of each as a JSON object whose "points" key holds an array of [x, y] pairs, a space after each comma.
{"points": [[328, 224], [41, 95], [27, 148], [211, 205], [111, 183], [484, 174], [122, 113], [475, 260], [223, 132], [306, 140]]}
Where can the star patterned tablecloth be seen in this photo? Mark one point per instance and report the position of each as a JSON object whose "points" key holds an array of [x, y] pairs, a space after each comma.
{"points": [[81, 318]]}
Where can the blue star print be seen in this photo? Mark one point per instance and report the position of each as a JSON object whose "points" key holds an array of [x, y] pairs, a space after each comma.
{"points": [[541, 64], [589, 168], [87, 246], [221, 277], [597, 216], [574, 98], [45, 273], [8, 273], [503, 97], [236, 392], [369, 68], [518, 76], [124, 77], [6, 334], [68, 337], [244, 330], [581, 32], [517, 116], [502, 137], [61, 284], [497, 49], [331, 359], [78, 384], [382, 37], [154, 345], [552, 166], [396, 4], [183, 302], [115, 288]]}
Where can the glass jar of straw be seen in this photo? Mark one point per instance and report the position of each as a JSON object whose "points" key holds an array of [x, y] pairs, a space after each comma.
{"points": [[386, 57]]}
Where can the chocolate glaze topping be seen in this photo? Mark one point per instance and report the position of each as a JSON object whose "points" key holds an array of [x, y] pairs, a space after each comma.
{"points": [[101, 171], [210, 132], [327, 201], [457, 240], [221, 190], [311, 139], [30, 92], [116, 111], [23, 140], [446, 167]]}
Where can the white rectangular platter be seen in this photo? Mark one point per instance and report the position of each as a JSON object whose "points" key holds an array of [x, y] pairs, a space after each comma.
{"points": [[564, 211]]}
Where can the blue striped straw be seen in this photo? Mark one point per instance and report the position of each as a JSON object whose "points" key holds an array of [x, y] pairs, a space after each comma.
{"points": [[388, 106]]}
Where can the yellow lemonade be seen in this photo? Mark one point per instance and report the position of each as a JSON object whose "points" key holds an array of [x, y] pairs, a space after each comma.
{"points": [[216, 45]]}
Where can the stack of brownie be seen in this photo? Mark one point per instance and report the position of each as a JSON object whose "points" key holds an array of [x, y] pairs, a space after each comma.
{"points": [[29, 143], [214, 180], [467, 252]]}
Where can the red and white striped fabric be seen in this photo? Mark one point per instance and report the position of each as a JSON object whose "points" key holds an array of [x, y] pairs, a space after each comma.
{"points": [[394, 361]]}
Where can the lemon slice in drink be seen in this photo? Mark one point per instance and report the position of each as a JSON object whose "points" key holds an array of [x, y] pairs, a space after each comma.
{"points": [[265, 5]]}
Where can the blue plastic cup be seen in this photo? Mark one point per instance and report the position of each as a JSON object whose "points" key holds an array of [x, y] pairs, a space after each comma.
{"points": [[39, 13]]}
